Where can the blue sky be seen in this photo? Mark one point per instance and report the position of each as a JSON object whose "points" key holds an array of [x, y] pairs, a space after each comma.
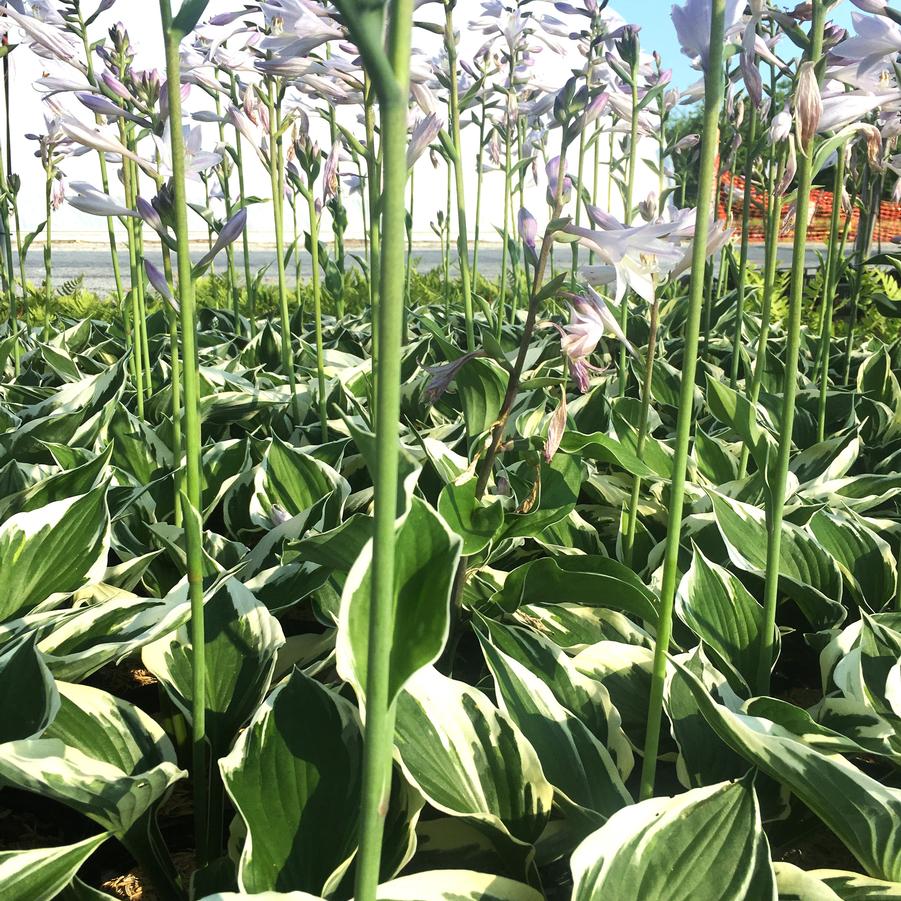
{"points": [[657, 33]]}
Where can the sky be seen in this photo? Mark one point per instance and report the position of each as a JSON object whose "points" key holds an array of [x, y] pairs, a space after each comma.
{"points": [[142, 20]]}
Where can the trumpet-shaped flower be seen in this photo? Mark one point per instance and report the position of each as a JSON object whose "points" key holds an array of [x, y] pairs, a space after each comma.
{"points": [[590, 320], [197, 160], [91, 200], [692, 22], [876, 38]]}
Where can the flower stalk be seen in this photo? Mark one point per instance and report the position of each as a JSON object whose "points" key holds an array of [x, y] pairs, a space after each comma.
{"points": [[388, 67], [206, 843], [713, 101], [777, 479]]}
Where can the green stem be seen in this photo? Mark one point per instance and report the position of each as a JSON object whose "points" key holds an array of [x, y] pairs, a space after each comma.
{"points": [[193, 535], [450, 44], [771, 262], [646, 386], [778, 476], [713, 101], [508, 202], [317, 317], [745, 242], [389, 70], [623, 370], [477, 229], [866, 224], [245, 238], [48, 252], [277, 184], [830, 280]]}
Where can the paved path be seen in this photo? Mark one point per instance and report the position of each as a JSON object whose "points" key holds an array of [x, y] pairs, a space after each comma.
{"points": [[94, 264]]}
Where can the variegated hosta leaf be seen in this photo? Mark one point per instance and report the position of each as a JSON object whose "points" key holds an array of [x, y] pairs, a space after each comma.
{"points": [[625, 671], [294, 776], [863, 661], [704, 758], [289, 482], [475, 521], [581, 695], [57, 487], [455, 885], [50, 552], [101, 756], [97, 633], [806, 571], [434, 885], [856, 887], [862, 812], [242, 640], [705, 843], [425, 564], [721, 612], [580, 579], [864, 558], [468, 758], [579, 767], [42, 874], [795, 884], [28, 696]]}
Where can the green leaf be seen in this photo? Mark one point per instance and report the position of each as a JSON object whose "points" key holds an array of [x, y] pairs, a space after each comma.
{"points": [[469, 759], [29, 699], [188, 16], [865, 559], [481, 385], [577, 764], [62, 485], [51, 552], [734, 410], [794, 884], [475, 521], [806, 572], [294, 776], [581, 695], [242, 638], [722, 613], [455, 885], [295, 482], [598, 446], [101, 756], [856, 887], [426, 555], [94, 634], [705, 843], [862, 812], [43, 873], [579, 579]]}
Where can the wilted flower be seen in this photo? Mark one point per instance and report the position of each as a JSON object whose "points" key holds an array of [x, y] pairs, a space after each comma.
{"points": [[444, 373], [556, 428], [330, 183], [808, 105]]}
